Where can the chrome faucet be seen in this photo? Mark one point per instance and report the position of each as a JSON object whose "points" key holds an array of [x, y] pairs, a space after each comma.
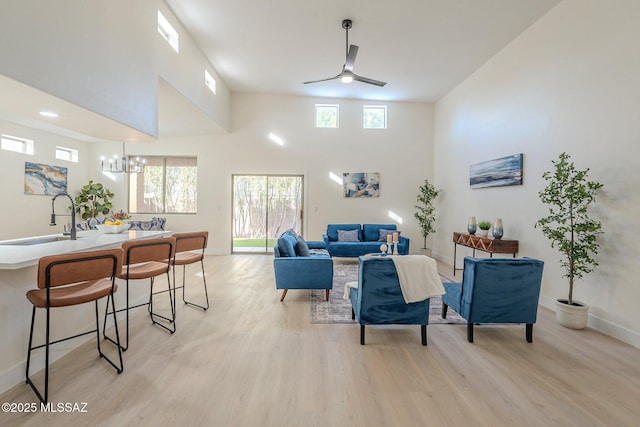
{"points": [[72, 233]]}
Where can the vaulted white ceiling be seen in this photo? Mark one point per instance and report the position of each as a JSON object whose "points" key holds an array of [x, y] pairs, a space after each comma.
{"points": [[422, 48]]}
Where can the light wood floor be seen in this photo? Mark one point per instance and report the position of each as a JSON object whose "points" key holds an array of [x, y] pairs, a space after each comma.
{"points": [[254, 361]]}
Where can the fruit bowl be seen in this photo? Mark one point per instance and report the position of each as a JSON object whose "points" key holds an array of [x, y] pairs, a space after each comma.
{"points": [[112, 229]]}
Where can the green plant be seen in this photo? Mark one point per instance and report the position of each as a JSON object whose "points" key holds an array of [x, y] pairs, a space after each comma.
{"points": [[484, 225], [568, 225], [93, 200], [425, 213]]}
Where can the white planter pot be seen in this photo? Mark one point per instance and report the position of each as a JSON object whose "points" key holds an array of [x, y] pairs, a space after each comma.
{"points": [[482, 233], [572, 316], [425, 251]]}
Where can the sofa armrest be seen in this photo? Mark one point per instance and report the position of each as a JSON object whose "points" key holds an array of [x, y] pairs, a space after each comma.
{"points": [[315, 244], [405, 241], [325, 239]]}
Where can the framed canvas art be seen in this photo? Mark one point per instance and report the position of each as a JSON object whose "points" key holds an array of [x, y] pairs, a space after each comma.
{"points": [[497, 172], [361, 184], [44, 179]]}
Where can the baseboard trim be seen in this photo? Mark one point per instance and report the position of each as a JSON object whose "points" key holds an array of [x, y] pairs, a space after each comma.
{"points": [[601, 325]]}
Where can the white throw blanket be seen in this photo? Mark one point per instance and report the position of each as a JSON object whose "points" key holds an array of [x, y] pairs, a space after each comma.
{"points": [[347, 289], [418, 276]]}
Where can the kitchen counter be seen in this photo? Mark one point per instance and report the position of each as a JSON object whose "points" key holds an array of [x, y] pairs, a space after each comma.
{"points": [[18, 274], [20, 253]]}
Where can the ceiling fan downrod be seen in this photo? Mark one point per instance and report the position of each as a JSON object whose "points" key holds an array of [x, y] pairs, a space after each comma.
{"points": [[347, 24]]}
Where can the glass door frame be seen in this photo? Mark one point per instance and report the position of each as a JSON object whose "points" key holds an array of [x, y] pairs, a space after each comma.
{"points": [[267, 248]]}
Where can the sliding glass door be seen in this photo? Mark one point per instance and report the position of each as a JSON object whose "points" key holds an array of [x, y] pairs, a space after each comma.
{"points": [[263, 207]]}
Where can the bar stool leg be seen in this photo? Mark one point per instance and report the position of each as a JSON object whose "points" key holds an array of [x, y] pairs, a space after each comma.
{"points": [[154, 315], [204, 280]]}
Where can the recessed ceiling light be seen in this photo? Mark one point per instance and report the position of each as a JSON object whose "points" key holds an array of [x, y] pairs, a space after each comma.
{"points": [[48, 114]]}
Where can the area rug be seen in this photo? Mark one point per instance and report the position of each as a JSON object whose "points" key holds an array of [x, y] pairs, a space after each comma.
{"points": [[338, 310]]}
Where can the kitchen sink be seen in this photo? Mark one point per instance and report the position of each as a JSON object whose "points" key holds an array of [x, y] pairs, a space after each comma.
{"points": [[35, 241]]}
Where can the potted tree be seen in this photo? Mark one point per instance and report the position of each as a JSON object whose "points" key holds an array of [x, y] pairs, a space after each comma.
{"points": [[94, 199], [568, 194], [425, 211]]}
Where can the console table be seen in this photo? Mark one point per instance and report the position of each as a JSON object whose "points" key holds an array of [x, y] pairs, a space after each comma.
{"points": [[485, 244]]}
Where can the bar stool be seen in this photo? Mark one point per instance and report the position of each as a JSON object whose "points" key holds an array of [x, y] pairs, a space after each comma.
{"points": [[190, 249], [147, 259], [68, 280]]}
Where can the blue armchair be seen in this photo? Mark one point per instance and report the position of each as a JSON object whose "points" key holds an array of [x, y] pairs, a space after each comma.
{"points": [[298, 267], [496, 290], [378, 299]]}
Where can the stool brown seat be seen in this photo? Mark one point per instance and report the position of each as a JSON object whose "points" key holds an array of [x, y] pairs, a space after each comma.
{"points": [[147, 259], [189, 250], [69, 280]]}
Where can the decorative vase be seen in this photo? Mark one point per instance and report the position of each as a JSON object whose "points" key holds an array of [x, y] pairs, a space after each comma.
{"points": [[572, 316], [471, 225], [497, 230]]}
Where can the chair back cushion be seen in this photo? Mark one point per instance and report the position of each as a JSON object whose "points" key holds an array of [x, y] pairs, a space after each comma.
{"points": [[501, 290], [372, 231], [379, 298], [332, 230], [193, 241], [145, 250], [58, 270]]}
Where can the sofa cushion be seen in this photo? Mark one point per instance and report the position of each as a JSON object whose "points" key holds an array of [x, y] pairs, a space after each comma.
{"points": [[348, 236], [332, 230], [371, 232], [301, 248], [287, 243]]}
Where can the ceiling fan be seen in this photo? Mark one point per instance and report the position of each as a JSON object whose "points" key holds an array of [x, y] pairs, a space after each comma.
{"points": [[347, 75]]}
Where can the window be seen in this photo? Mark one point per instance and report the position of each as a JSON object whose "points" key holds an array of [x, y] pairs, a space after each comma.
{"points": [[168, 185], [209, 81], [68, 154], [374, 117], [168, 32], [327, 115], [14, 143]]}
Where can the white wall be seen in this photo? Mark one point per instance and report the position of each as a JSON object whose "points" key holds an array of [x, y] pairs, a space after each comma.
{"points": [[29, 215], [402, 155], [569, 83], [105, 57]]}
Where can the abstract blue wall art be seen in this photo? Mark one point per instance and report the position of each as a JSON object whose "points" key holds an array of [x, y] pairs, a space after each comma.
{"points": [[44, 179], [361, 184], [497, 172]]}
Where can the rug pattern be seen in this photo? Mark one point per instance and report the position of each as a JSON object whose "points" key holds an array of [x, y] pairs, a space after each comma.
{"points": [[338, 310]]}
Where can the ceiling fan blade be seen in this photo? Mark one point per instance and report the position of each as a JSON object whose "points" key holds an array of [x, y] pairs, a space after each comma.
{"points": [[322, 80], [351, 57], [368, 80]]}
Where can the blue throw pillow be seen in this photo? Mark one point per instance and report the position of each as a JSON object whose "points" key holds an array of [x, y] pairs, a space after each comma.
{"points": [[286, 244], [301, 248]]}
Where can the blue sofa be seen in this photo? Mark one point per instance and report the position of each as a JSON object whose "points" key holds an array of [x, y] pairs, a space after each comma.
{"points": [[496, 290], [378, 299], [296, 266], [368, 236]]}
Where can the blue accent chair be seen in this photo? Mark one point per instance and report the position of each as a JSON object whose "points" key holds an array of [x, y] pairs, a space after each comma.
{"points": [[296, 266], [496, 290], [378, 299]]}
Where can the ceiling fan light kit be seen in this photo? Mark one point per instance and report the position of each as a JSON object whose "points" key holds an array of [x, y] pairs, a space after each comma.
{"points": [[347, 75]]}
